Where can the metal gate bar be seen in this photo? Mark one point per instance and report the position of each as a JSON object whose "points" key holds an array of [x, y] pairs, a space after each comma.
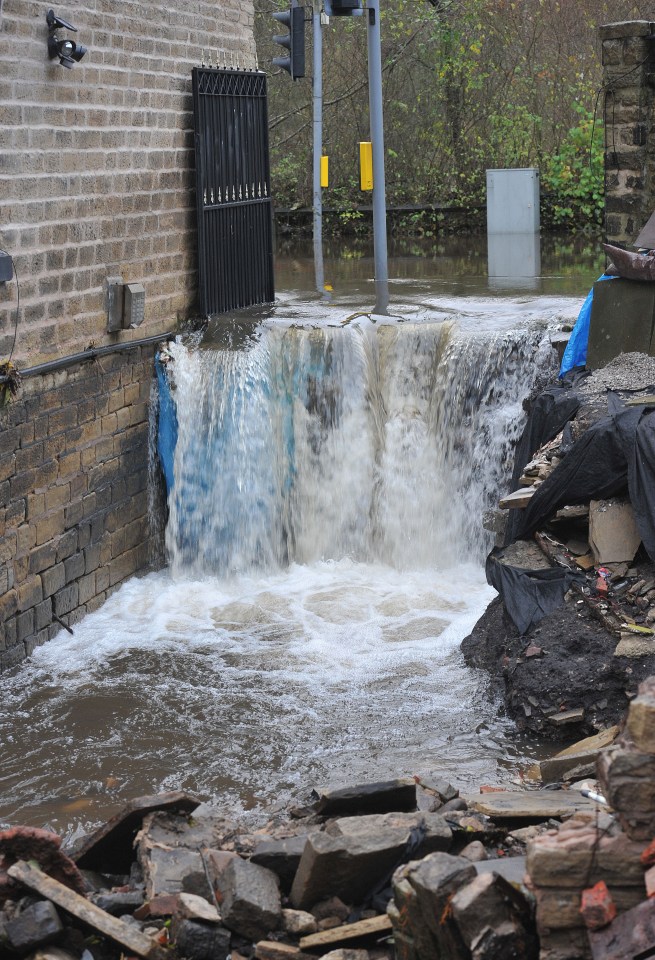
{"points": [[233, 197]]}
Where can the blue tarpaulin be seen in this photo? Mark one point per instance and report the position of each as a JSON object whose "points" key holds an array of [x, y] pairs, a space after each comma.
{"points": [[167, 425], [575, 354]]}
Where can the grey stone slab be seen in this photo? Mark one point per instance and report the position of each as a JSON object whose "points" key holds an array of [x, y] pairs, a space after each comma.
{"points": [[38, 924], [353, 854], [382, 797], [531, 804], [280, 856], [249, 899], [178, 870]]}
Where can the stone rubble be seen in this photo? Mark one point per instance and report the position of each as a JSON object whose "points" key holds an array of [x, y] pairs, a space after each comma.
{"points": [[530, 874]]}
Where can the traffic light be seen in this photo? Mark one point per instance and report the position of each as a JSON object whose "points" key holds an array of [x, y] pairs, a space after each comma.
{"points": [[294, 41], [343, 8]]}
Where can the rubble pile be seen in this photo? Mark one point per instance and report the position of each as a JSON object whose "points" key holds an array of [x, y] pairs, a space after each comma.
{"points": [[402, 870], [573, 632]]}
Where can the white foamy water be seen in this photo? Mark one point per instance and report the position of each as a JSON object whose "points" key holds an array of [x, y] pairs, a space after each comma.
{"points": [[326, 548]]}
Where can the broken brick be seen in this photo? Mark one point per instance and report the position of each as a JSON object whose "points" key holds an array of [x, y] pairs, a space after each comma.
{"points": [[597, 906]]}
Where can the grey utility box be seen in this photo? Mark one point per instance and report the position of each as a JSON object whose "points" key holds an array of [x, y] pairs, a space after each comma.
{"points": [[513, 201]]}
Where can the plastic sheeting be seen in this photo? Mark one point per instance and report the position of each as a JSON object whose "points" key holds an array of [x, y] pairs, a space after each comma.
{"points": [[166, 426], [528, 595], [616, 453], [575, 354]]}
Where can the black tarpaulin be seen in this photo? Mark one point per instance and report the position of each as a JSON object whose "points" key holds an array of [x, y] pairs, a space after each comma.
{"points": [[528, 595], [614, 454]]}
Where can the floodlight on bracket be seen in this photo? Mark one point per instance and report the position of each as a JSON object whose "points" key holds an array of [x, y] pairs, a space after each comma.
{"points": [[68, 51]]}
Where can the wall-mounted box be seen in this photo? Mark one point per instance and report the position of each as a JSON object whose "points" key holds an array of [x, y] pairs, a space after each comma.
{"points": [[114, 288], [134, 305], [6, 268]]}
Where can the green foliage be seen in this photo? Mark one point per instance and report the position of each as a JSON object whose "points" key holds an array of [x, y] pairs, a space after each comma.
{"points": [[468, 85], [574, 175]]}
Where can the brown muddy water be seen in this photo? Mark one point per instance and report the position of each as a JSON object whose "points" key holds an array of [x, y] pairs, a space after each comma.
{"points": [[325, 552]]}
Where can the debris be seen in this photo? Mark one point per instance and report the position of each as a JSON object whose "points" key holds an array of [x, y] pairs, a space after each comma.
{"points": [[117, 930], [249, 899], [36, 925], [584, 751], [281, 856], [299, 923], [384, 797], [630, 935], [351, 931], [613, 533], [517, 500], [43, 847], [350, 857], [531, 805], [597, 907], [202, 941], [109, 848]]}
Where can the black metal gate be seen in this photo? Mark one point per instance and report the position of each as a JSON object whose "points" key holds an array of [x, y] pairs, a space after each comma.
{"points": [[235, 231]]}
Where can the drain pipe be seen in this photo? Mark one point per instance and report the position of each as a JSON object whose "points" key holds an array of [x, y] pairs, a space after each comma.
{"points": [[92, 354]]}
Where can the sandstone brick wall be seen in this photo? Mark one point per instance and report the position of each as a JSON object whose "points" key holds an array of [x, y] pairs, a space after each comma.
{"points": [[96, 162], [73, 495], [628, 74], [96, 180]]}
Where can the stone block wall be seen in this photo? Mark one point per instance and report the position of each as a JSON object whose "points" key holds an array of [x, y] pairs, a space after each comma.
{"points": [[73, 495], [629, 92], [96, 162]]}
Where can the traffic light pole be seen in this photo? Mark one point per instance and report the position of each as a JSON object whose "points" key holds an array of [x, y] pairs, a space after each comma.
{"points": [[377, 140], [317, 90]]}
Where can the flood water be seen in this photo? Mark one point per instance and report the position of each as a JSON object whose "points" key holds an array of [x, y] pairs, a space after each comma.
{"points": [[325, 548]]}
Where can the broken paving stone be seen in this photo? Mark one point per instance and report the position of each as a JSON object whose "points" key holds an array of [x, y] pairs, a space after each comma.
{"points": [[249, 898], [110, 848], [388, 796], [438, 786], [35, 925], [173, 871], [485, 902], [201, 941], [634, 647], [582, 752], [511, 869], [280, 856], [532, 804], [299, 923], [631, 934], [354, 854], [421, 914]]}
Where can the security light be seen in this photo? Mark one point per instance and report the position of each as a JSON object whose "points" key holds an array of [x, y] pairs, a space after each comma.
{"points": [[67, 50]]}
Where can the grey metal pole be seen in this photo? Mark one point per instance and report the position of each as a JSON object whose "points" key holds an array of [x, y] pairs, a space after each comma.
{"points": [[377, 140], [317, 91]]}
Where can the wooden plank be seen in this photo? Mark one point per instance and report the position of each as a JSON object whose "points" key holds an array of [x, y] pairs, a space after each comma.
{"points": [[116, 930], [517, 500], [350, 931]]}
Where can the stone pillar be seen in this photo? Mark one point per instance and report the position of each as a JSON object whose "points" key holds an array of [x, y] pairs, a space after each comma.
{"points": [[629, 102]]}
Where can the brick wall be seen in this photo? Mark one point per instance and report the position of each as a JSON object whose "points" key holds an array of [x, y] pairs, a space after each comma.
{"points": [[96, 162], [96, 180], [628, 72], [73, 495]]}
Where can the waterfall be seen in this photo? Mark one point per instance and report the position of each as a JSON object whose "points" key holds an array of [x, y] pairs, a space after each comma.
{"points": [[377, 442]]}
